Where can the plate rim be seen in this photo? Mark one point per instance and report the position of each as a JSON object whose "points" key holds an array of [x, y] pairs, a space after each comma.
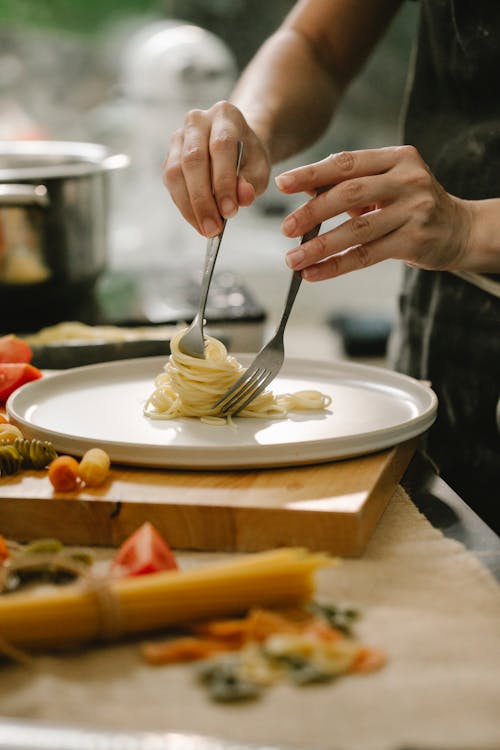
{"points": [[173, 456]]}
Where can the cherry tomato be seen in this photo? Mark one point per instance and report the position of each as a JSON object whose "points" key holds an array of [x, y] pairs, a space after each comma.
{"points": [[15, 374], [63, 473], [14, 349], [4, 550], [145, 551]]}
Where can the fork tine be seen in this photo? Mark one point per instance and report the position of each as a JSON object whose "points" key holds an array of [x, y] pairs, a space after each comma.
{"points": [[240, 387], [269, 360], [264, 382]]}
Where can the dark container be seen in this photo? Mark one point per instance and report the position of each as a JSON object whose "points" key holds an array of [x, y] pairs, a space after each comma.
{"points": [[54, 211]]}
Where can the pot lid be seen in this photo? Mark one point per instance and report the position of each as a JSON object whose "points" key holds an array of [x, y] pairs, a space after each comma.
{"points": [[38, 160]]}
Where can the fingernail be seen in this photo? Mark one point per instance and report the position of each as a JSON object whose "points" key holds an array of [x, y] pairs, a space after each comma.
{"points": [[289, 225], [210, 228], [227, 208], [294, 258], [284, 181]]}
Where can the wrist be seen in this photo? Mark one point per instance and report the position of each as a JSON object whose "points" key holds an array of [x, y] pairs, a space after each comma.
{"points": [[263, 126], [482, 249]]}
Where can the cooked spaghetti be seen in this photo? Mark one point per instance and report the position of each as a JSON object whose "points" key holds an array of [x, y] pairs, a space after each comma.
{"points": [[189, 387]]}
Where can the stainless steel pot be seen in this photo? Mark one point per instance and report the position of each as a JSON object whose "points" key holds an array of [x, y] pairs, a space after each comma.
{"points": [[54, 205]]}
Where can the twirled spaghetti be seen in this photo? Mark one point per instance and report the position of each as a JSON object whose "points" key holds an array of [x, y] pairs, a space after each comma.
{"points": [[189, 387]]}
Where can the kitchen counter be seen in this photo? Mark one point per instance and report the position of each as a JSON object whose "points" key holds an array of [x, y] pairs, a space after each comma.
{"points": [[450, 514], [429, 600], [430, 493], [425, 600]]}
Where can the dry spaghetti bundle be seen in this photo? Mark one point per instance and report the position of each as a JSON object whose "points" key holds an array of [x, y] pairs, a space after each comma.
{"points": [[87, 612], [189, 387]]}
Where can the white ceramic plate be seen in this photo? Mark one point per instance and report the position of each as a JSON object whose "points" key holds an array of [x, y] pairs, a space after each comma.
{"points": [[102, 405]]}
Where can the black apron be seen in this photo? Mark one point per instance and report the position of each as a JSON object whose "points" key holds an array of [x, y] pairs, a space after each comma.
{"points": [[449, 329]]}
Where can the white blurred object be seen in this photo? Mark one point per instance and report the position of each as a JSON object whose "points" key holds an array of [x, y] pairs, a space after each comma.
{"points": [[16, 123], [169, 62], [167, 68]]}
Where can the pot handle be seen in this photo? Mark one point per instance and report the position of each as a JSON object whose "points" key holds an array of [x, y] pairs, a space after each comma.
{"points": [[115, 161], [15, 195]]}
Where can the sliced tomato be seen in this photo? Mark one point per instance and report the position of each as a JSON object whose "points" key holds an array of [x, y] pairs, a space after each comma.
{"points": [[145, 551], [14, 349], [4, 550], [15, 374]]}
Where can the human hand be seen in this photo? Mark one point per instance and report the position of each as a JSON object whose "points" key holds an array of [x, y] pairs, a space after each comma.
{"points": [[397, 209], [200, 169]]}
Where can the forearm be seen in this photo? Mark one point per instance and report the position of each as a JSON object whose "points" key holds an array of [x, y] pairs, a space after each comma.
{"points": [[286, 95], [483, 247], [289, 91]]}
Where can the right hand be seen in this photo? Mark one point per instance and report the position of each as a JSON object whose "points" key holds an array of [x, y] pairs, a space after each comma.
{"points": [[200, 169]]}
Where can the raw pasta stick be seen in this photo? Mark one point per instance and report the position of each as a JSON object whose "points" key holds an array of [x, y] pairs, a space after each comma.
{"points": [[144, 603], [189, 387]]}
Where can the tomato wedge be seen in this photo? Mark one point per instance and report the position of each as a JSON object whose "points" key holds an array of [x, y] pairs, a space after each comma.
{"points": [[15, 374], [14, 349], [145, 551], [4, 550]]}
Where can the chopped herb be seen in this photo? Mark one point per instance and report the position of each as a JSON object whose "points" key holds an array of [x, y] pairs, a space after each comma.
{"points": [[43, 546], [224, 683], [339, 618]]}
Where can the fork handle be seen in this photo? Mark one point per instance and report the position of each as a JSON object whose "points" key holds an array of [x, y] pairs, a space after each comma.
{"points": [[294, 284], [212, 251], [290, 299], [210, 258]]}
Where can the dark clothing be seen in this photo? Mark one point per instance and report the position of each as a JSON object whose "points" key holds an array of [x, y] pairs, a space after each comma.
{"points": [[449, 330]]}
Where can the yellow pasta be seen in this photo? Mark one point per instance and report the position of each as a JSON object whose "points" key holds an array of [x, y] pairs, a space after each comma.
{"points": [[9, 432], [189, 387], [77, 613], [94, 467]]}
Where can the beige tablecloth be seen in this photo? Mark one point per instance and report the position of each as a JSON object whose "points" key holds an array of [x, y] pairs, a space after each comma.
{"points": [[426, 600]]}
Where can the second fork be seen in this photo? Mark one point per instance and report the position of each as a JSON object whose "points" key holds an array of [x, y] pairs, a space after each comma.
{"points": [[269, 360]]}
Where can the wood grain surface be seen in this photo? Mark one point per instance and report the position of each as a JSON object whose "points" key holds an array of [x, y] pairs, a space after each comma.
{"points": [[332, 507]]}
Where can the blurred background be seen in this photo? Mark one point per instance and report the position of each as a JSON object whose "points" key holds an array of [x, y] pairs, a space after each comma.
{"points": [[122, 73]]}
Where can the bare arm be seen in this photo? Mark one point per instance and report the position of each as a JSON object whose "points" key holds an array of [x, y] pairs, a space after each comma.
{"points": [[283, 102], [289, 91], [287, 118]]}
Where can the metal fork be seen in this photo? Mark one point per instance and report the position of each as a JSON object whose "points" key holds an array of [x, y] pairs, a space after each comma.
{"points": [[269, 360], [193, 341]]}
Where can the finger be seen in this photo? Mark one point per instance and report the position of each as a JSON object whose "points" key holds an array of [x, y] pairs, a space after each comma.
{"points": [[361, 211], [339, 167], [229, 127], [355, 258], [256, 166], [360, 230], [173, 179], [347, 196], [223, 147], [246, 192], [196, 168]]}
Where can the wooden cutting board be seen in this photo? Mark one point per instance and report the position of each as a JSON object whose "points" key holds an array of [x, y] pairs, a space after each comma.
{"points": [[332, 507]]}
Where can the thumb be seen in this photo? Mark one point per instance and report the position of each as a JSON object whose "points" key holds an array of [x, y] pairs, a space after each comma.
{"points": [[246, 192]]}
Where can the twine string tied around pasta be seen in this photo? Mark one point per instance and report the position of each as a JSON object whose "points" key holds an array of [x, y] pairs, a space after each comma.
{"points": [[109, 615]]}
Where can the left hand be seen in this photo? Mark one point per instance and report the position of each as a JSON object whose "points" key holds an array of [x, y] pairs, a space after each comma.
{"points": [[397, 208]]}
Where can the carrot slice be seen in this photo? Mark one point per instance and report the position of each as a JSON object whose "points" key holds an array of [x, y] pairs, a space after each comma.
{"points": [[181, 650], [264, 623], [368, 659]]}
